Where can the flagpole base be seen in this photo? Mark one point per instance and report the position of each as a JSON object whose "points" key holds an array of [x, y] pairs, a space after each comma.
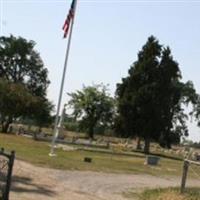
{"points": [[52, 154]]}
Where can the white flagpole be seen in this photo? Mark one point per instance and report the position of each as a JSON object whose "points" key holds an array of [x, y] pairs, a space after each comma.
{"points": [[56, 128]]}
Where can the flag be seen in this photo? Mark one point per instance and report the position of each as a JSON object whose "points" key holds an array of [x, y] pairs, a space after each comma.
{"points": [[69, 18]]}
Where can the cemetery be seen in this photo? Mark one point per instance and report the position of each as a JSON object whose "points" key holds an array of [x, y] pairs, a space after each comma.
{"points": [[104, 106]]}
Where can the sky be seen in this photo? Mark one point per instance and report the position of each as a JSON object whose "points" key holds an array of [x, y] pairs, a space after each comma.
{"points": [[107, 36]]}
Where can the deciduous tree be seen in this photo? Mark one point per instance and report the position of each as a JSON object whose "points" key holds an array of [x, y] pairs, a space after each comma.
{"points": [[93, 106], [25, 77]]}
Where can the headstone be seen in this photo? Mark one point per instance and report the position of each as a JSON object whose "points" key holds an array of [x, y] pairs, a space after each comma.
{"points": [[198, 157], [87, 159], [152, 160]]}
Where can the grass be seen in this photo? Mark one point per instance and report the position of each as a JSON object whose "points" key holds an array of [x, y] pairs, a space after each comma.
{"points": [[36, 152], [170, 194]]}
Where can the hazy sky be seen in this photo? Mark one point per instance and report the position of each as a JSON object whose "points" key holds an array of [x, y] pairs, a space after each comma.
{"points": [[107, 36]]}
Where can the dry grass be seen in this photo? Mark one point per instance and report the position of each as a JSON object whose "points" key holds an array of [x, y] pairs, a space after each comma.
{"points": [[170, 194], [37, 153]]}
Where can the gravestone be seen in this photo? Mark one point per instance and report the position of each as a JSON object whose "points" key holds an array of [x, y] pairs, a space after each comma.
{"points": [[152, 160], [87, 159]]}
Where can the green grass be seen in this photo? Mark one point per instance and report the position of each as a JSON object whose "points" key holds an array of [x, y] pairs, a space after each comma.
{"points": [[169, 194], [37, 153]]}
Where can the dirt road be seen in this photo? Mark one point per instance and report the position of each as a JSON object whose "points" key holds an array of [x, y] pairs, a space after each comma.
{"points": [[31, 183]]}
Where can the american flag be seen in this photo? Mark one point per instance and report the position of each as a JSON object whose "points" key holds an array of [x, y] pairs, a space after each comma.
{"points": [[69, 19]]}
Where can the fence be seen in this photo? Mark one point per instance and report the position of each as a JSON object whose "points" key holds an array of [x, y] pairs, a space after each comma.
{"points": [[6, 166], [186, 165]]}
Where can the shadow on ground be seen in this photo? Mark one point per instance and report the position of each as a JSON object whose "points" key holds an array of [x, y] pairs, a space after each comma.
{"points": [[25, 185]]}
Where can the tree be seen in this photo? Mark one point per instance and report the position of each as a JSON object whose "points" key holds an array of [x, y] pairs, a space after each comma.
{"points": [[149, 99], [42, 116], [196, 111], [25, 77], [15, 100], [92, 106], [186, 95]]}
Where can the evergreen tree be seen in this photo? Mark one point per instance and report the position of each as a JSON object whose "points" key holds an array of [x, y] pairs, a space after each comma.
{"points": [[149, 99]]}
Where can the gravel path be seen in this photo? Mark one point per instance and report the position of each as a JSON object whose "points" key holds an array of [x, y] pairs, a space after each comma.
{"points": [[31, 182]]}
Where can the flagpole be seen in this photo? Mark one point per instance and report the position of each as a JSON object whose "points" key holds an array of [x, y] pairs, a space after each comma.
{"points": [[56, 128]]}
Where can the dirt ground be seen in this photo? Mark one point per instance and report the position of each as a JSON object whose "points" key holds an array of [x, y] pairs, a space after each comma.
{"points": [[31, 182]]}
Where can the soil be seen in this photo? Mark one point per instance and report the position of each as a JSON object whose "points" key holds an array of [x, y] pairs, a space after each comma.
{"points": [[32, 182]]}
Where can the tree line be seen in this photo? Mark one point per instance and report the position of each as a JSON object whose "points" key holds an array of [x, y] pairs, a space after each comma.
{"points": [[149, 104]]}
